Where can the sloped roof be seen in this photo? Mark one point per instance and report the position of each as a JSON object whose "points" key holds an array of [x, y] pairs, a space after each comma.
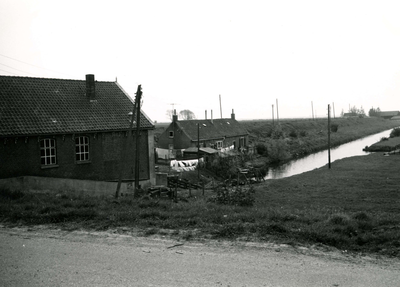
{"points": [[218, 128], [387, 114], [34, 106], [206, 150]]}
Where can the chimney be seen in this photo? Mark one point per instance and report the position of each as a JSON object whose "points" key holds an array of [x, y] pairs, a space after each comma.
{"points": [[90, 87], [174, 117], [206, 114], [233, 115]]}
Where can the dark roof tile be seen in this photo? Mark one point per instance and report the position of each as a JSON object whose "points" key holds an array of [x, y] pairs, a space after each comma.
{"points": [[31, 106]]}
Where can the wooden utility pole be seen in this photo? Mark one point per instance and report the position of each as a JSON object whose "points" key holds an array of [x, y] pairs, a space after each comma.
{"points": [[329, 136], [273, 114], [198, 151], [124, 145], [137, 164], [220, 105], [277, 111], [312, 109], [333, 106]]}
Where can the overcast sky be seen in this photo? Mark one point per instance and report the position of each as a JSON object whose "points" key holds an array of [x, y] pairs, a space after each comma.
{"points": [[187, 53]]}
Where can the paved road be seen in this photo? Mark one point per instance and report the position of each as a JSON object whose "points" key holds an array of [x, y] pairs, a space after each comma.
{"points": [[44, 257]]}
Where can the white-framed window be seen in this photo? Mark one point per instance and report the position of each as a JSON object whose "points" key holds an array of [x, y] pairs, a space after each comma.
{"points": [[219, 144], [48, 152], [82, 148], [171, 134]]}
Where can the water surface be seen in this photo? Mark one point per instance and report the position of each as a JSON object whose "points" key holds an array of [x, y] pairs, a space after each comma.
{"points": [[319, 159]]}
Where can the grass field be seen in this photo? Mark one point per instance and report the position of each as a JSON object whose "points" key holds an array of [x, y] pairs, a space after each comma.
{"points": [[353, 206]]}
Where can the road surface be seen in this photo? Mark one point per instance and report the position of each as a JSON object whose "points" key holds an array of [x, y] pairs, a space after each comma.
{"points": [[41, 256]]}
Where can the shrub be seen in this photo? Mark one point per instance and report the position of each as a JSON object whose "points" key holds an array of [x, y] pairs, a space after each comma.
{"points": [[240, 196], [395, 133], [261, 149], [12, 195], [334, 128], [278, 151], [383, 139], [277, 132], [293, 134]]}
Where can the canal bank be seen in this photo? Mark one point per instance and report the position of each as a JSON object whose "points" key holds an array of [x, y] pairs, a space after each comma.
{"points": [[278, 145], [320, 159]]}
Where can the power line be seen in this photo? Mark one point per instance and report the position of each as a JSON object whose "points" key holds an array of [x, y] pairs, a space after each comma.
{"points": [[8, 72], [33, 65], [18, 69]]}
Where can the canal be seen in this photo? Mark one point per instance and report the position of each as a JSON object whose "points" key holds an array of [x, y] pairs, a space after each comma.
{"points": [[320, 159]]}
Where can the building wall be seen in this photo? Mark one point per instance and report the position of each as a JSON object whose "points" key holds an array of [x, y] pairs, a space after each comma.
{"points": [[21, 157], [179, 141]]}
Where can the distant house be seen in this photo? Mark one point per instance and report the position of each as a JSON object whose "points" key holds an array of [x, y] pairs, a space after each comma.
{"points": [[69, 134], [214, 135], [388, 115]]}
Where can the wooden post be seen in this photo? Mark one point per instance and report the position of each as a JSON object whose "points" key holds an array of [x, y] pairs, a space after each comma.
{"points": [[198, 151], [312, 109], [138, 99], [329, 136], [277, 112], [220, 105], [124, 145], [273, 114]]}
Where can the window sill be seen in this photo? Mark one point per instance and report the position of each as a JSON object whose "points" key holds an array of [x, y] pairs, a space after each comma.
{"points": [[83, 162], [49, 166]]}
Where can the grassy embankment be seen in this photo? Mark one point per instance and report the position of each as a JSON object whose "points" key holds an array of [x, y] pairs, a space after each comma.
{"points": [[306, 136], [354, 206]]}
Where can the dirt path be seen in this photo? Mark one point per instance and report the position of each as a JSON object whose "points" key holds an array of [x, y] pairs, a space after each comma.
{"points": [[45, 257]]}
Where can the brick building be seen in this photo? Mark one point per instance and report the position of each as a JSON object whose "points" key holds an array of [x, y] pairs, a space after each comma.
{"points": [[71, 130], [219, 134]]}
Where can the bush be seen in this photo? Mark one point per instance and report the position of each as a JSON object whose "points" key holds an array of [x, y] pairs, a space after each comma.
{"points": [[334, 128], [239, 196], [261, 149], [395, 133], [293, 134], [12, 195], [383, 139], [278, 151], [277, 132]]}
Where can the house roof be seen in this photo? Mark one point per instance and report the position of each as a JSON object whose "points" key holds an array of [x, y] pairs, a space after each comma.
{"points": [[387, 114], [206, 150], [216, 129], [34, 106]]}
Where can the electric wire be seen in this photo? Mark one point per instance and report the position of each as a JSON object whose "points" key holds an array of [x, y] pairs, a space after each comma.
{"points": [[18, 69], [8, 72], [34, 65]]}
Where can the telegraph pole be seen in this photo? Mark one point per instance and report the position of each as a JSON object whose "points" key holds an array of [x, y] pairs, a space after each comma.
{"points": [[277, 111], [273, 114], [198, 152], [312, 109], [138, 99], [220, 105], [329, 136], [124, 144]]}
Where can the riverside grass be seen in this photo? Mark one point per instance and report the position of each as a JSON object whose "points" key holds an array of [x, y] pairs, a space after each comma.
{"points": [[354, 206]]}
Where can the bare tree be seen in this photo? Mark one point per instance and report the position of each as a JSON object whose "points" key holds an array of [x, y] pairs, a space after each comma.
{"points": [[169, 114], [187, 115]]}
